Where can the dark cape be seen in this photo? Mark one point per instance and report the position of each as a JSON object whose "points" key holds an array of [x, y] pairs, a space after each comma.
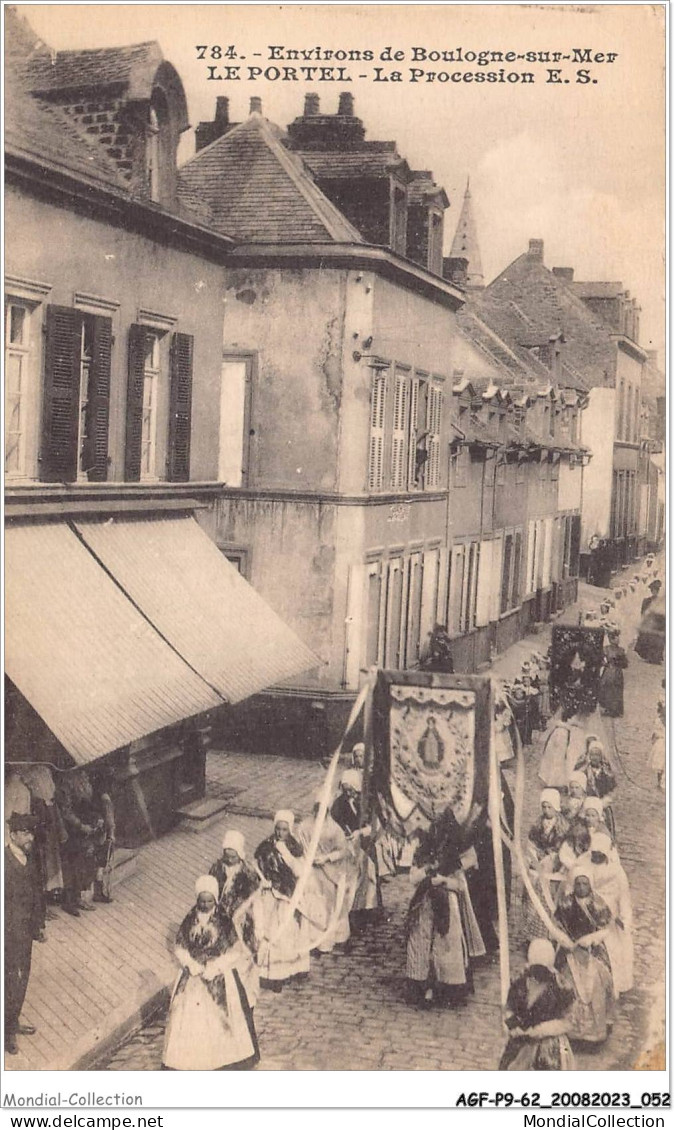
{"points": [[439, 850], [612, 681], [553, 1003], [274, 867], [245, 884]]}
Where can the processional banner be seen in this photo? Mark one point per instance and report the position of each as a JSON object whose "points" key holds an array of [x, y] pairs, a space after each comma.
{"points": [[575, 667], [431, 742]]}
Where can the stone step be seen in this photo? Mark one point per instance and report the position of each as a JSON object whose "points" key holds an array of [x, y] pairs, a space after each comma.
{"points": [[200, 814]]}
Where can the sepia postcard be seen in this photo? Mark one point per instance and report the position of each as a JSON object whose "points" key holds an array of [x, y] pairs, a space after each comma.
{"points": [[335, 530]]}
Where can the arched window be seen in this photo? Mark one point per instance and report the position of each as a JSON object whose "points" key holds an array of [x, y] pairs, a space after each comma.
{"points": [[153, 154]]}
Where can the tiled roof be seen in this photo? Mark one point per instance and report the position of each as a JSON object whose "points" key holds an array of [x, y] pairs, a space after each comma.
{"points": [[598, 289], [259, 191], [70, 70], [358, 163], [512, 361], [550, 305], [39, 131], [422, 188]]}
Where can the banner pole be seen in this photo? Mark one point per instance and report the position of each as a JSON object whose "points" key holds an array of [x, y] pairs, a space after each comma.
{"points": [[497, 846]]}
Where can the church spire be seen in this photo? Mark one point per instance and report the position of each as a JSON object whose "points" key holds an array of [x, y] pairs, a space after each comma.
{"points": [[465, 245]]}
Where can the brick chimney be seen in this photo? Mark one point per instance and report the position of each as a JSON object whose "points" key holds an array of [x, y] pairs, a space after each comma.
{"points": [[208, 132], [564, 273], [340, 132], [345, 108], [256, 104], [536, 249]]}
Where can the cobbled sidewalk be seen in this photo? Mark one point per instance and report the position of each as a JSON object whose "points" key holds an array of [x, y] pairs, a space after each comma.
{"points": [[100, 980]]}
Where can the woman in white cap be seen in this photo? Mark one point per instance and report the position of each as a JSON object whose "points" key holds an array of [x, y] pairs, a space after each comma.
{"points": [[573, 801], [610, 883], [362, 881], [210, 1024], [238, 884], [592, 813], [584, 963], [600, 777], [546, 837], [284, 949], [537, 1016]]}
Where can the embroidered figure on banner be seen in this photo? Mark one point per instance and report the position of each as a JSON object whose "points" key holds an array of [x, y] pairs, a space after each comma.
{"points": [[432, 733]]}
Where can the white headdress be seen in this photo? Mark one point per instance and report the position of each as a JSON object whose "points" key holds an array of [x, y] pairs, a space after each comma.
{"points": [[235, 842], [207, 884], [551, 796]]}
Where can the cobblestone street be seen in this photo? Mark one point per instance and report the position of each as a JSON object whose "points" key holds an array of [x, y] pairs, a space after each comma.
{"points": [[352, 1014]]}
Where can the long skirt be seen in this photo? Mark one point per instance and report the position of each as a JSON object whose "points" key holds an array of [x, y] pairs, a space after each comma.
{"points": [[326, 906], [434, 957], [288, 953], [610, 695], [366, 895], [202, 1035], [552, 1053], [593, 1010], [620, 947]]}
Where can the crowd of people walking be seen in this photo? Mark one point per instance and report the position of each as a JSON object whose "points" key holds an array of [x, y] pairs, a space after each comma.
{"points": [[261, 917]]}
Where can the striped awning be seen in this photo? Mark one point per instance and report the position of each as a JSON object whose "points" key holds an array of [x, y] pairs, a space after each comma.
{"points": [[97, 673], [199, 602], [116, 628]]}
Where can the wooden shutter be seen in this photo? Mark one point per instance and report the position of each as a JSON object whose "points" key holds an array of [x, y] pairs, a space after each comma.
{"points": [[95, 456], [484, 584], [414, 396], [400, 432], [134, 403], [61, 404], [180, 419], [434, 421], [375, 474]]}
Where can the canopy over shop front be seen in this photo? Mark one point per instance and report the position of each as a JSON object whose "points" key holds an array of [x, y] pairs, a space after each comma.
{"points": [[118, 627]]}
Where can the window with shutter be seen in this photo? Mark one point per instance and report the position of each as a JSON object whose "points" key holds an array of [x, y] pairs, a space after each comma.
{"points": [[434, 423], [138, 339], [94, 448], [180, 416], [19, 353], [375, 475], [517, 569], [392, 626], [374, 592], [415, 456], [414, 592], [61, 400], [506, 576], [400, 435]]}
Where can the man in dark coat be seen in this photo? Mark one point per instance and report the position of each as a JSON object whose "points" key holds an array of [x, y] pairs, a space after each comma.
{"points": [[22, 923]]}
